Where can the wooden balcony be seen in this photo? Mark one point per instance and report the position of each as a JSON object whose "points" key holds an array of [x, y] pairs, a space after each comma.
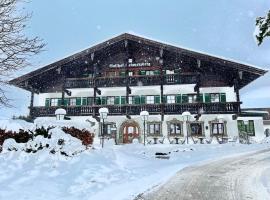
{"points": [[119, 81], [169, 109]]}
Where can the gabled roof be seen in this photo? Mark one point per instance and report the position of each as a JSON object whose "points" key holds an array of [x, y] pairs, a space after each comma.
{"points": [[127, 36]]}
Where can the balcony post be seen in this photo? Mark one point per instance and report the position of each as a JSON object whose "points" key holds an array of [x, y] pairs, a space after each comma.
{"points": [[31, 114], [161, 88], [63, 92], [236, 90], [127, 60]]}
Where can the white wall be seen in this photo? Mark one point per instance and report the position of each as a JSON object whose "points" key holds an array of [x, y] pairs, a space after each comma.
{"points": [[258, 126], [142, 90]]}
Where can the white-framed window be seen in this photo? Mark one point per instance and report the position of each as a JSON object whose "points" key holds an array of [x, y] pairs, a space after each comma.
{"points": [[192, 98], [110, 100], [154, 129], [169, 71], [217, 128], [130, 73], [214, 98], [149, 72], [54, 102], [150, 99], [170, 99], [110, 129], [131, 100], [175, 129], [72, 102]]}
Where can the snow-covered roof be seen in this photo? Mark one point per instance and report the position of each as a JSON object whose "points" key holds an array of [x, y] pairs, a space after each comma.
{"points": [[254, 70]]}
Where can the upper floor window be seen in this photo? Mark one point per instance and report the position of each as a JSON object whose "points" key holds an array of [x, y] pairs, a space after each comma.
{"points": [[110, 100], [54, 102], [149, 72], [192, 98], [131, 100], [130, 73], [214, 98], [170, 99], [150, 99], [169, 71], [72, 102]]}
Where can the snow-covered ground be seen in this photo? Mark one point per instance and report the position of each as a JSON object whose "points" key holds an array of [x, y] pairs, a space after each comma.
{"points": [[115, 172]]}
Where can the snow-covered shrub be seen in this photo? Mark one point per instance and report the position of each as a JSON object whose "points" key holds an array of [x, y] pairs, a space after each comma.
{"points": [[20, 137], [54, 140], [84, 135]]}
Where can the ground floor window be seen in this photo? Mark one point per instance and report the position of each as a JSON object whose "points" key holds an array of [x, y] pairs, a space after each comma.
{"points": [[246, 128], [196, 129], [110, 129], [218, 129], [175, 128], [154, 128]]}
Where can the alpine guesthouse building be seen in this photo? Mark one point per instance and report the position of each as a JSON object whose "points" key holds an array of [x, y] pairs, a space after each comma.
{"points": [[129, 74]]}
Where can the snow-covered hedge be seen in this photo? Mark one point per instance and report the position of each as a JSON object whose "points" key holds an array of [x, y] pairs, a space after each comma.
{"points": [[54, 136], [55, 142]]}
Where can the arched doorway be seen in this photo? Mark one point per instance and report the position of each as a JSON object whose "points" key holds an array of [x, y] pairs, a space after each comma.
{"points": [[130, 130]]}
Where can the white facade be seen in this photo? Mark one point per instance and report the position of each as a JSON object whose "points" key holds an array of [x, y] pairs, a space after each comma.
{"points": [[206, 120]]}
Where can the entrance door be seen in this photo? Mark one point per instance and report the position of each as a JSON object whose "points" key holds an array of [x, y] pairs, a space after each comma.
{"points": [[130, 132]]}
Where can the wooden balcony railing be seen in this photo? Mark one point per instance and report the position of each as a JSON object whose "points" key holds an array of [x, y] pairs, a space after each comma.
{"points": [[169, 109], [132, 81]]}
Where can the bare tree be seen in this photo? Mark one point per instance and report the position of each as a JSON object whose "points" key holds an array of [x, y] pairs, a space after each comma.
{"points": [[262, 28], [16, 48]]}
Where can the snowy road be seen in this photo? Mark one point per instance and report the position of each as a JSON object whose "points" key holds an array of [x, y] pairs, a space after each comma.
{"points": [[238, 178]]}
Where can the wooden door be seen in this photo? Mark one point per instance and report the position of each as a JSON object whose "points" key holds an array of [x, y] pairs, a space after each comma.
{"points": [[130, 132]]}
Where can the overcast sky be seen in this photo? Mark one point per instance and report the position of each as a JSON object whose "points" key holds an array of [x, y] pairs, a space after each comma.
{"points": [[221, 27]]}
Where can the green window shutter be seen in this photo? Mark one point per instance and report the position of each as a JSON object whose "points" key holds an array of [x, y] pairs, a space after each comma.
{"points": [[157, 99], [137, 99], [122, 73], [65, 101], [222, 97], [207, 98], [184, 98], [78, 101], [98, 101], [156, 72], [142, 99], [241, 126], [103, 100], [251, 127], [47, 102], [117, 100], [123, 100], [59, 102], [84, 101], [178, 98], [142, 72], [201, 98]]}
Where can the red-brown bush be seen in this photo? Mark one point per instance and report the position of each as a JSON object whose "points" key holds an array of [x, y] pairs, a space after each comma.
{"points": [[85, 136]]}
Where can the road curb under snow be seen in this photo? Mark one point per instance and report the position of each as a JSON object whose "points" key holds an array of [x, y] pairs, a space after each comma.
{"points": [[235, 178]]}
